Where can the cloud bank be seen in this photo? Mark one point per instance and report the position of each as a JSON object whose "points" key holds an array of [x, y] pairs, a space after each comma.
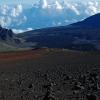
{"points": [[46, 14]]}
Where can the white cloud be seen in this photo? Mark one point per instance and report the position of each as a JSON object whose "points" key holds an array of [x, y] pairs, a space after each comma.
{"points": [[11, 16], [92, 8], [75, 10], [5, 21], [45, 4], [16, 11], [18, 31], [29, 29], [21, 31], [58, 5], [4, 9], [2, 22], [72, 7]]}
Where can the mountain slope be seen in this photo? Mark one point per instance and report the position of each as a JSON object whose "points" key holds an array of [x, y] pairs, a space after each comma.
{"points": [[6, 39], [79, 36], [9, 41], [6, 47]]}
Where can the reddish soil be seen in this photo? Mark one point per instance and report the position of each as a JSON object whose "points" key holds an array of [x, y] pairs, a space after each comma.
{"points": [[24, 55], [15, 56]]}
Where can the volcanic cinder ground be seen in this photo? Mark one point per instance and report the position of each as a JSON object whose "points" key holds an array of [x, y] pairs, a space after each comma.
{"points": [[24, 74]]}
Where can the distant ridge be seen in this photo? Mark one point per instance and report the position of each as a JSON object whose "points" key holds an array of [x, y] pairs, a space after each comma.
{"points": [[84, 35]]}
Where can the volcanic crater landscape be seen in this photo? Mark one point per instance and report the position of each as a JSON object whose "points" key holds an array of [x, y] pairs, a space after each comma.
{"points": [[59, 63]]}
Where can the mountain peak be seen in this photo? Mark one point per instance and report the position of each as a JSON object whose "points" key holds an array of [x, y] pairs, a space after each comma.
{"points": [[5, 33]]}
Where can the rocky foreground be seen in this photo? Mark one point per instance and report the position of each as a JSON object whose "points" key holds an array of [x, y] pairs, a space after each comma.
{"points": [[50, 74]]}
